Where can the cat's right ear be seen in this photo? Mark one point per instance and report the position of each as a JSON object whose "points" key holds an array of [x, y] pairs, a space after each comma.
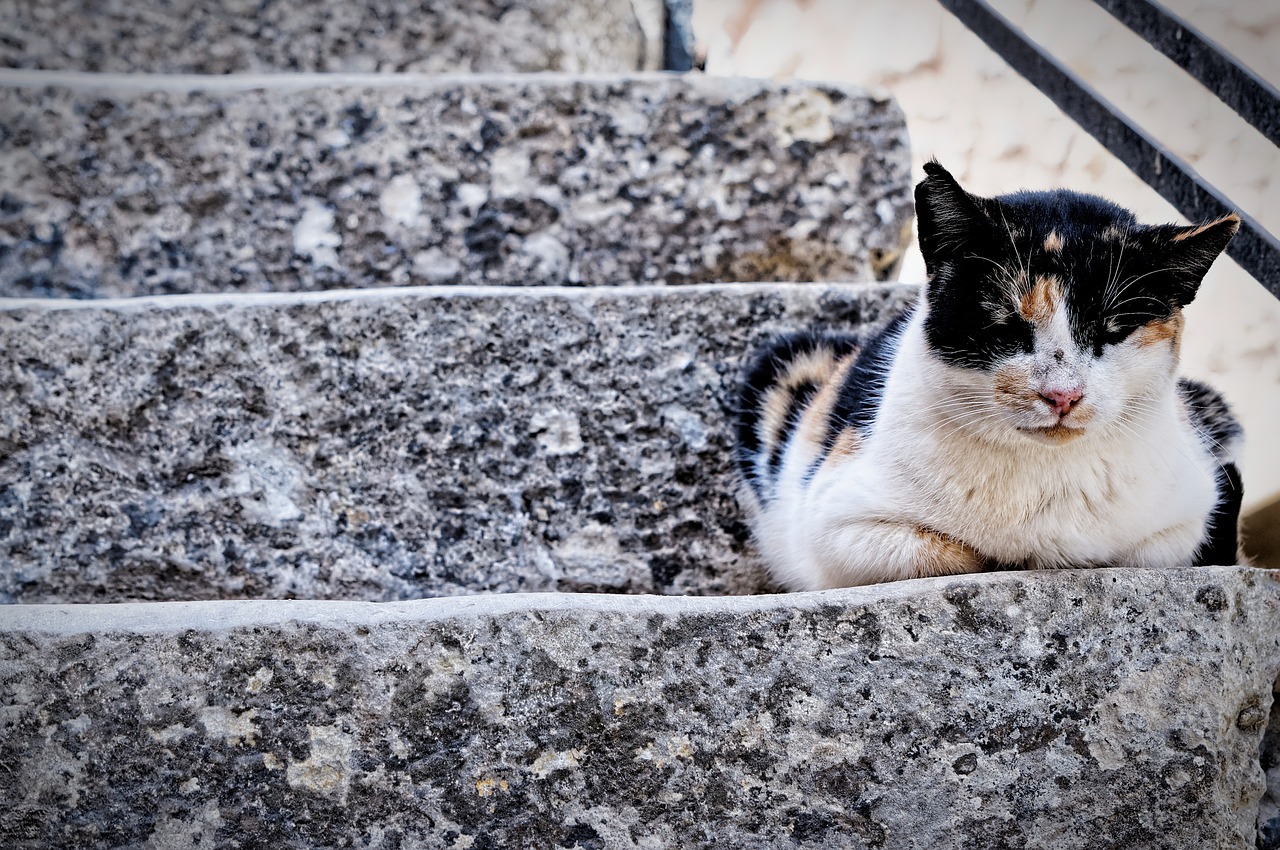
{"points": [[948, 219]]}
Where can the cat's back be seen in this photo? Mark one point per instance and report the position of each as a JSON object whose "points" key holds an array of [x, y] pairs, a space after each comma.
{"points": [[779, 391], [805, 397]]}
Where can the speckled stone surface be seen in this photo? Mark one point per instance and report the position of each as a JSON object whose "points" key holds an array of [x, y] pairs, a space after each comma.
{"points": [[1063, 710], [121, 189], [385, 445], [239, 36], [1269, 808]]}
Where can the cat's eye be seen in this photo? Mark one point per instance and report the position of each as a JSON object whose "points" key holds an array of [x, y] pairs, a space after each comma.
{"points": [[1000, 313], [1112, 332]]}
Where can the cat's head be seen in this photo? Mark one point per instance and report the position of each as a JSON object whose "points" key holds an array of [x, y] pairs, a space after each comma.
{"points": [[1053, 314]]}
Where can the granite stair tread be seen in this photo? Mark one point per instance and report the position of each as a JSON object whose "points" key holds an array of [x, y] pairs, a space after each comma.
{"points": [[247, 36], [919, 714], [126, 185], [386, 444], [237, 424]]}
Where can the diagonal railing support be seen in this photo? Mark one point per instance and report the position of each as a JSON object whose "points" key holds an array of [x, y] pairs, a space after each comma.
{"points": [[1253, 98], [1254, 248]]}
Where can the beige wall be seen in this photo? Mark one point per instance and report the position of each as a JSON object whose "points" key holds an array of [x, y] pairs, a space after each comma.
{"points": [[997, 133]]}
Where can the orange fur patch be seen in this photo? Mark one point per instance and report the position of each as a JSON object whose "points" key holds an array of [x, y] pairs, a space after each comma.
{"points": [[941, 555], [1042, 301], [1196, 231], [1012, 386], [813, 423], [846, 445], [812, 368], [1053, 242], [773, 414], [1159, 331]]}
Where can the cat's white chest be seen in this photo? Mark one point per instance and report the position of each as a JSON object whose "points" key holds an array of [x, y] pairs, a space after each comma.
{"points": [[1139, 502]]}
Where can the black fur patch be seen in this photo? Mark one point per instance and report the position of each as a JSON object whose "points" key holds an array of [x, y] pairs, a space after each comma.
{"points": [[863, 386], [771, 365], [1221, 536], [1212, 416], [1216, 423], [1116, 274]]}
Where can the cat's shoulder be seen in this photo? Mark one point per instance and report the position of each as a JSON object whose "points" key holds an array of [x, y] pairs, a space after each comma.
{"points": [[1212, 417], [860, 393], [779, 383], [777, 360]]}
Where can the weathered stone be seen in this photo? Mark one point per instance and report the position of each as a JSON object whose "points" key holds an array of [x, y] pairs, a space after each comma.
{"points": [[385, 445], [1269, 808], [1020, 710], [238, 36], [128, 187]]}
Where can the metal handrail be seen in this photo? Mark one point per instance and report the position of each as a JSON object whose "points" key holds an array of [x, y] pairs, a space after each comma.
{"points": [[1253, 98], [1254, 248]]}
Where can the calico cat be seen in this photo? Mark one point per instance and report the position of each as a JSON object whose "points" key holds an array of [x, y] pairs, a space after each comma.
{"points": [[1025, 414]]}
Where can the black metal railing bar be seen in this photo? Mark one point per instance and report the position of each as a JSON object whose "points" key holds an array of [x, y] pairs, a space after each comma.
{"points": [[1254, 248], [677, 36], [1252, 97]]}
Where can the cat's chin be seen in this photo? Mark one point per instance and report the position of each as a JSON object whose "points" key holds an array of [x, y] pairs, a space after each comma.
{"points": [[1052, 434]]}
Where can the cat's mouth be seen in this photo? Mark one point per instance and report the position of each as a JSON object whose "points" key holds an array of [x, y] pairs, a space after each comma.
{"points": [[1054, 433]]}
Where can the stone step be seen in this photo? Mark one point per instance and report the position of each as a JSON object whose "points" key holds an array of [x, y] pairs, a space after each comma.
{"points": [[385, 444], [239, 36], [1074, 709], [121, 186]]}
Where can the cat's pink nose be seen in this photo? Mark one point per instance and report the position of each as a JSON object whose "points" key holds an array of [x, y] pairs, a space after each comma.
{"points": [[1062, 400]]}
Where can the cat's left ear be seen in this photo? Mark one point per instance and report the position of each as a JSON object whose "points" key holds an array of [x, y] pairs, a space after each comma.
{"points": [[1189, 251], [949, 219]]}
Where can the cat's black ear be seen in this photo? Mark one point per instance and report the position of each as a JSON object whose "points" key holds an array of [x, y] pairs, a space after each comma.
{"points": [[1187, 252], [948, 218]]}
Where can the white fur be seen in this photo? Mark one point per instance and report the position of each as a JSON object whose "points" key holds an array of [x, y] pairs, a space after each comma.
{"points": [[1133, 489]]}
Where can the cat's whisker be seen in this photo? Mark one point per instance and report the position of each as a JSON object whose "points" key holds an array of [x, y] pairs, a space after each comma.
{"points": [[1133, 430], [1143, 296], [1146, 313], [1114, 276], [1129, 281], [1205, 435], [1009, 232], [963, 419], [1128, 314], [1009, 283], [961, 416], [1142, 404], [1110, 312]]}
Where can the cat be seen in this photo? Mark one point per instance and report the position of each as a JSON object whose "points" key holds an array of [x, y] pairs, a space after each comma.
{"points": [[1024, 414]]}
